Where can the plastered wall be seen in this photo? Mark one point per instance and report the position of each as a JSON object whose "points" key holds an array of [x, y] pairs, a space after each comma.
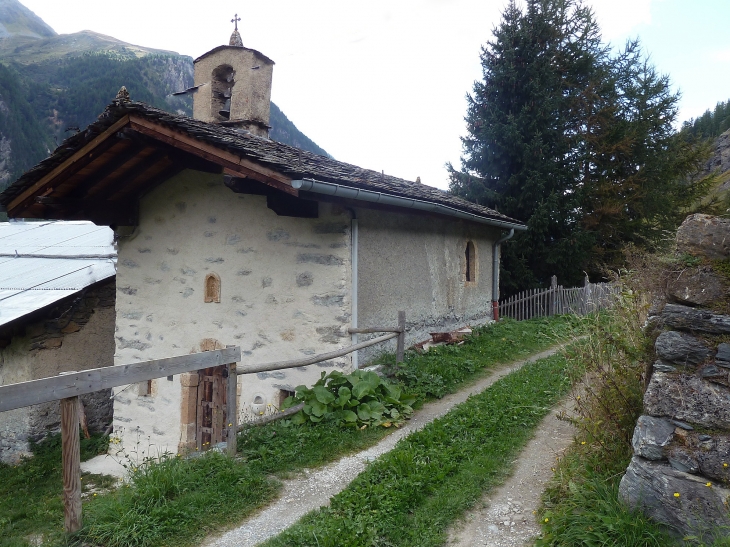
{"points": [[417, 263], [284, 295], [78, 334]]}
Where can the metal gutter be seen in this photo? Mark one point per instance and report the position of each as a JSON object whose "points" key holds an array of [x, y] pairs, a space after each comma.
{"points": [[359, 194], [495, 272]]}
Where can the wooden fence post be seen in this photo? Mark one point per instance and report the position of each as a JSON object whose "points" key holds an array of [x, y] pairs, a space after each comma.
{"points": [[553, 294], [71, 463], [586, 294], [400, 348], [232, 410]]}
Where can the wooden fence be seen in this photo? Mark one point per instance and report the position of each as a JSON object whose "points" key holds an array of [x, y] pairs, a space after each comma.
{"points": [[67, 387], [558, 300]]}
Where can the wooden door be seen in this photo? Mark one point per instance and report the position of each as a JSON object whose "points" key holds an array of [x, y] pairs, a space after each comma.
{"points": [[211, 407]]}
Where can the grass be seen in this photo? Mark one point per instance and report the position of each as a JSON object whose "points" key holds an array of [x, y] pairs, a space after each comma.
{"points": [[178, 501], [581, 506], [30, 492], [412, 494]]}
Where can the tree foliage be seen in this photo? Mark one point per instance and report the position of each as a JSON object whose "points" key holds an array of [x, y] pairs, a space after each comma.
{"points": [[574, 141]]}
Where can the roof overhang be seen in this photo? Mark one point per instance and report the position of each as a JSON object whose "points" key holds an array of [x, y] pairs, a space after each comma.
{"points": [[103, 180]]}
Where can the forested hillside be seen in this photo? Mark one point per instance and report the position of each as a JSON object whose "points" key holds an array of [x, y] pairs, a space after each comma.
{"points": [[711, 124], [52, 85]]}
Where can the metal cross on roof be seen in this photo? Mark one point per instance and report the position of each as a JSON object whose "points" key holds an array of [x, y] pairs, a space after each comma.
{"points": [[235, 20]]}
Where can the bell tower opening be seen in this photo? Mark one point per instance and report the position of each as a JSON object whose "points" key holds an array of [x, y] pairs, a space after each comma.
{"points": [[222, 81]]}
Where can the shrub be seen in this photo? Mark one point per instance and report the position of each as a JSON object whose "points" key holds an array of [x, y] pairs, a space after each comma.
{"points": [[358, 399]]}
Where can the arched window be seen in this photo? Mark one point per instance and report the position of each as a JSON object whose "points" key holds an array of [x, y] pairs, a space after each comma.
{"points": [[212, 288], [222, 82], [470, 260]]}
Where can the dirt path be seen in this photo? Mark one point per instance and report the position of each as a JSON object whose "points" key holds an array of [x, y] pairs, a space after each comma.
{"points": [[315, 487], [506, 516]]}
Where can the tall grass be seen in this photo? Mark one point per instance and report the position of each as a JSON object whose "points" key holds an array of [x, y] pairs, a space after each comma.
{"points": [[581, 505]]}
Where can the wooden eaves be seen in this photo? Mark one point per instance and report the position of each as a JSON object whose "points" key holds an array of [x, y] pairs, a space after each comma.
{"points": [[104, 179]]}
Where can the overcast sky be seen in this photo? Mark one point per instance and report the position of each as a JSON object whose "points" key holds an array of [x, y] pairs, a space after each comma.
{"points": [[382, 83]]}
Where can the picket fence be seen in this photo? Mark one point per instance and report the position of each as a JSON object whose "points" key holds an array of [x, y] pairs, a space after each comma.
{"points": [[558, 300]]}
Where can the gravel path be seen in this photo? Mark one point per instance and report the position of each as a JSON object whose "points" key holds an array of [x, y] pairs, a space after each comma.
{"points": [[506, 516], [314, 488]]}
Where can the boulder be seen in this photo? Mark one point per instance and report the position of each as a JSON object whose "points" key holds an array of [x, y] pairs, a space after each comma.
{"points": [[722, 358], [651, 436], [689, 399], [681, 349], [696, 286], [704, 235], [691, 319], [697, 509]]}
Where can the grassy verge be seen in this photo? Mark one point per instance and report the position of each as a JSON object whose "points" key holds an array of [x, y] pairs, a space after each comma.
{"points": [[30, 492], [179, 501], [412, 494], [581, 506]]}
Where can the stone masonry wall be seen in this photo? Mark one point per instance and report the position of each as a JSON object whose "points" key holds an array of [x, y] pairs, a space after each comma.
{"points": [[680, 472], [75, 334]]}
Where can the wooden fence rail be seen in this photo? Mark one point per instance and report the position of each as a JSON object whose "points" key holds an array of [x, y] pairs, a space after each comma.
{"points": [[558, 300], [67, 387]]}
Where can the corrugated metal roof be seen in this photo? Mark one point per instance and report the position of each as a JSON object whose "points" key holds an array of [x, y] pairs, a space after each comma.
{"points": [[44, 262]]}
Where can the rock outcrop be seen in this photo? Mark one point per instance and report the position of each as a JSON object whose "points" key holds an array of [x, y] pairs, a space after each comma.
{"points": [[680, 472]]}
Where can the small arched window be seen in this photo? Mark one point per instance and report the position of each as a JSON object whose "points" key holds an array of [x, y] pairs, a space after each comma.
{"points": [[222, 88], [470, 270], [212, 288]]}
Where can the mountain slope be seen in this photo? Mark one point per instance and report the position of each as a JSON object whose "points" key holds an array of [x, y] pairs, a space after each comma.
{"points": [[17, 20], [54, 84]]}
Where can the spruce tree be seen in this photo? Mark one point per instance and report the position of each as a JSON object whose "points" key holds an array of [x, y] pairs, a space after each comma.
{"points": [[578, 144]]}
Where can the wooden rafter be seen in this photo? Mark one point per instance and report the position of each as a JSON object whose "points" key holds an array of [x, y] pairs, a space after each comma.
{"points": [[232, 163], [73, 164]]}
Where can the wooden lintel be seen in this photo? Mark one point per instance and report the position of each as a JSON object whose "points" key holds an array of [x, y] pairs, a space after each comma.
{"points": [[232, 163], [77, 383], [70, 162]]}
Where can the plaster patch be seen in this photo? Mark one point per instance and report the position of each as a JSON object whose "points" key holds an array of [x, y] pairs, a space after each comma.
{"points": [[129, 263], [276, 375], [233, 239], [128, 291], [214, 260], [187, 292], [132, 315], [187, 271], [266, 282], [243, 272], [246, 250], [173, 251], [152, 281]]}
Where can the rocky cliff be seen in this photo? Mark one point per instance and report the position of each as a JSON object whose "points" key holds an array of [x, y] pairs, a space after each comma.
{"points": [[680, 472]]}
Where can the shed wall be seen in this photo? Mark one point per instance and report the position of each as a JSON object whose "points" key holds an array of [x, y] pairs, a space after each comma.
{"points": [[76, 335], [284, 295]]}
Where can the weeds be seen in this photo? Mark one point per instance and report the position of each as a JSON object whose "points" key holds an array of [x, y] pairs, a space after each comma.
{"points": [[31, 507], [581, 505]]}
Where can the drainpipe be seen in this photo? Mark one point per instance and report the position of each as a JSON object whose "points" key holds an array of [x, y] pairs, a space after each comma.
{"points": [[354, 244], [495, 272]]}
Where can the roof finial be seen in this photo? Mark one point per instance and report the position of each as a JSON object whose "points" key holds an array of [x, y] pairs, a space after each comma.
{"points": [[122, 96], [235, 37]]}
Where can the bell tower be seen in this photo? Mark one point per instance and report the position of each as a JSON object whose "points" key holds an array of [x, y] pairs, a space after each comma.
{"points": [[234, 86]]}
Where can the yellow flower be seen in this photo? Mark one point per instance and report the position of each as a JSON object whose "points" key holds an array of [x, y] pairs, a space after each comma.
{"points": [[676, 494], [578, 397], [94, 495], [582, 442], [229, 425], [546, 519], [724, 465], [708, 485]]}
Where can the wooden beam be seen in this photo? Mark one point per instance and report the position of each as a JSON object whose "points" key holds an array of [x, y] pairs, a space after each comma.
{"points": [[280, 365], [71, 464], [231, 424], [126, 179], [120, 158], [75, 161], [234, 164], [401, 345], [77, 383]]}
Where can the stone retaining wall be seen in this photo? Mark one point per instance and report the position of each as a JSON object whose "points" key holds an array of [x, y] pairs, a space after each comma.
{"points": [[680, 472]]}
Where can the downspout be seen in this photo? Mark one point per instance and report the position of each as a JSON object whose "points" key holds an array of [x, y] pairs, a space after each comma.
{"points": [[354, 244], [495, 273]]}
